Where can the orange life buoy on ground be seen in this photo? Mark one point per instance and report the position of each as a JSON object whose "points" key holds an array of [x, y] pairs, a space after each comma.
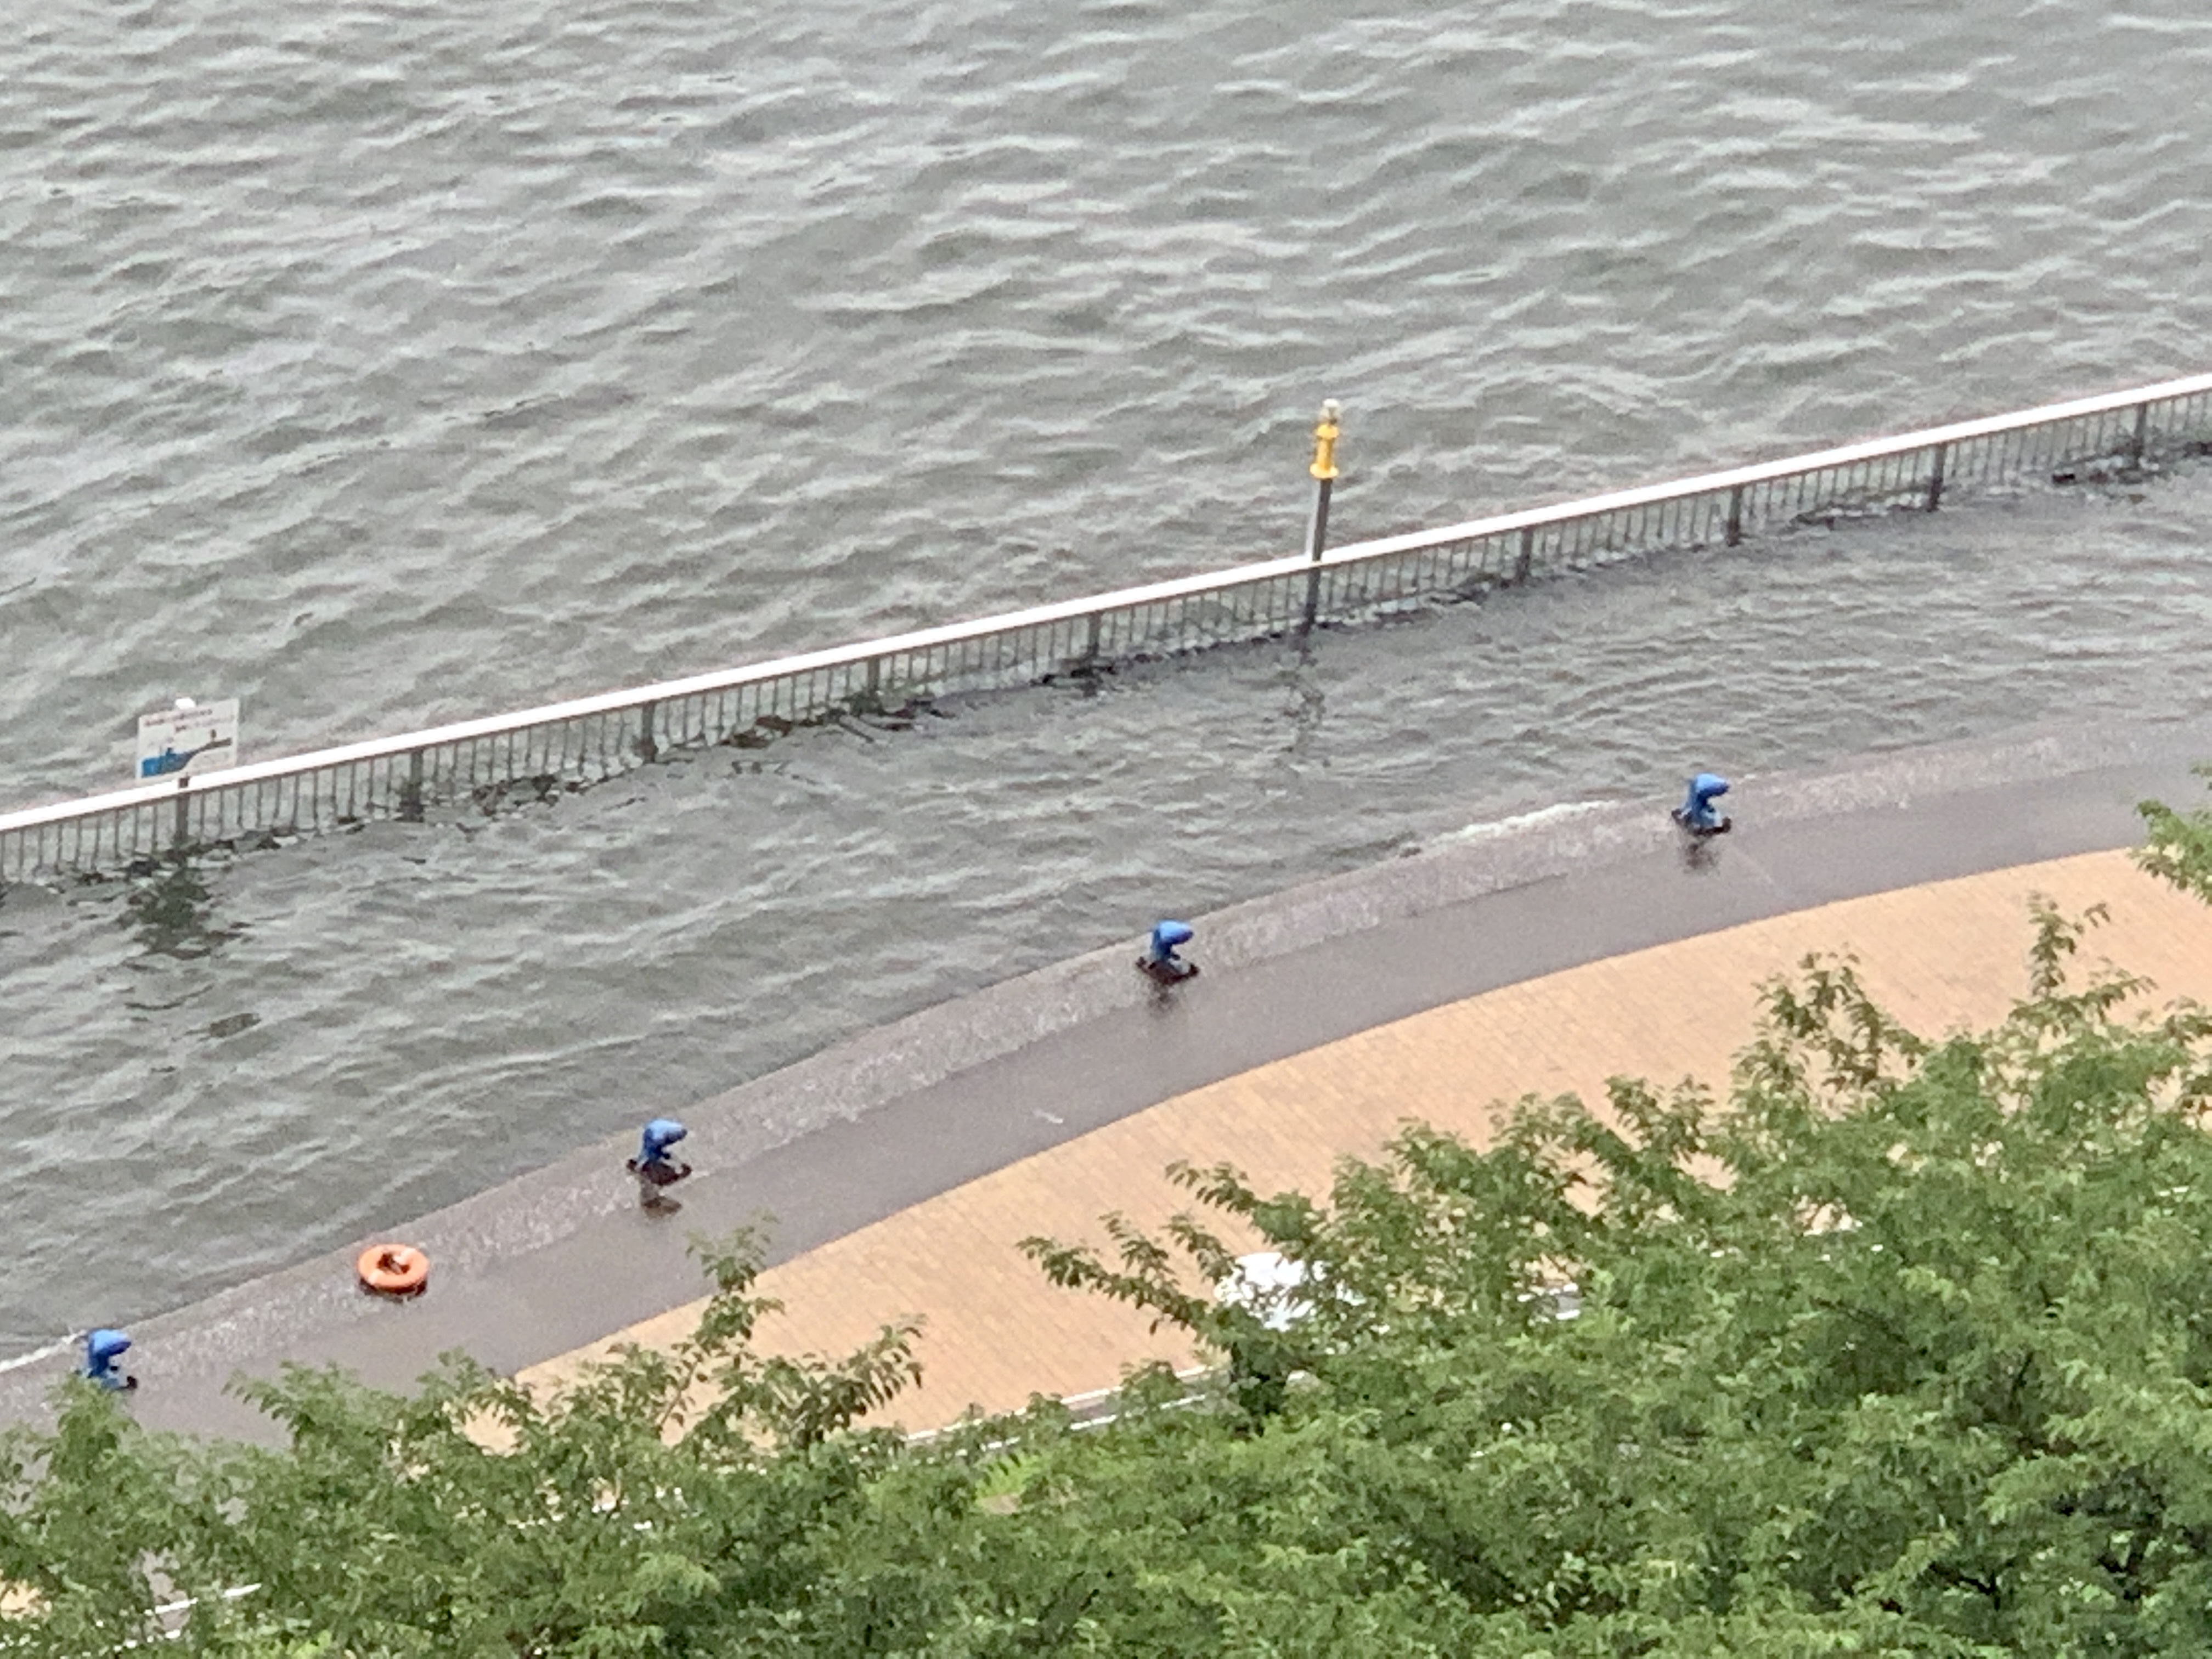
{"points": [[393, 1269]]}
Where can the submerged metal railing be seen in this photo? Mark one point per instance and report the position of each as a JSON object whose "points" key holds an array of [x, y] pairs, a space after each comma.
{"points": [[537, 751]]}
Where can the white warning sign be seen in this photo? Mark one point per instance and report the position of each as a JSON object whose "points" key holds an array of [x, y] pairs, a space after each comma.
{"points": [[192, 737]]}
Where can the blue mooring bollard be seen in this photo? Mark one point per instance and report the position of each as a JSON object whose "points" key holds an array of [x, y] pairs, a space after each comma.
{"points": [[102, 1349], [653, 1166], [659, 1135], [1160, 960], [1697, 813]]}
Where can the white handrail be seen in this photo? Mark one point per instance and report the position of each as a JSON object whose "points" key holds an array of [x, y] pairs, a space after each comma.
{"points": [[1820, 461], [610, 702], [1127, 598]]}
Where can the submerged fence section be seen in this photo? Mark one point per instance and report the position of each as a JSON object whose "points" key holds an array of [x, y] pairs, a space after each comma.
{"points": [[538, 751]]}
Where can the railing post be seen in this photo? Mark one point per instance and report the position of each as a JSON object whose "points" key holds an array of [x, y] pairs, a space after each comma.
{"points": [[410, 793], [2136, 443], [1324, 475], [648, 750], [182, 838], [1091, 640], [1935, 478], [1735, 516], [1526, 559]]}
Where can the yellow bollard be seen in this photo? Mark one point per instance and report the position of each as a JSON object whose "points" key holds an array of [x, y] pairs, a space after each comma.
{"points": [[1324, 474], [1325, 436]]}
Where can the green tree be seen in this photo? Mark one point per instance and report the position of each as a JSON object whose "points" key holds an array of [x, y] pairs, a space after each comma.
{"points": [[1901, 1346], [2178, 845], [661, 1496]]}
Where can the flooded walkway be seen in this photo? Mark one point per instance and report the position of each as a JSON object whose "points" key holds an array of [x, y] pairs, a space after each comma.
{"points": [[1537, 954], [1940, 955]]}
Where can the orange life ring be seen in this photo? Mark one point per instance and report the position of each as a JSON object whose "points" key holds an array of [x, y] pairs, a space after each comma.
{"points": [[393, 1269]]}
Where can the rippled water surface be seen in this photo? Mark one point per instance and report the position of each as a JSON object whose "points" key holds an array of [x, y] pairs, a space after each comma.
{"points": [[389, 363]]}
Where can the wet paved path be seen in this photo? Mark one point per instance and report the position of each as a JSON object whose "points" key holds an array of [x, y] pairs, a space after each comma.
{"points": [[1939, 956], [902, 1166]]}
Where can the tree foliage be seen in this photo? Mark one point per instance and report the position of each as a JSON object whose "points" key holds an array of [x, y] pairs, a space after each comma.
{"points": [[1900, 1347]]}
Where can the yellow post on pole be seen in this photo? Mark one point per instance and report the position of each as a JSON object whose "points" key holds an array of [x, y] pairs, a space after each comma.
{"points": [[1324, 474], [1325, 436]]}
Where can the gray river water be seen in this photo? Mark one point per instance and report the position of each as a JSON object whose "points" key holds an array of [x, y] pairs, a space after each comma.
{"points": [[387, 363]]}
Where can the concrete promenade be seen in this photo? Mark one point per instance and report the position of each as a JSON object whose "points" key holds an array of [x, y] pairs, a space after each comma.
{"points": [[1538, 955], [1939, 956]]}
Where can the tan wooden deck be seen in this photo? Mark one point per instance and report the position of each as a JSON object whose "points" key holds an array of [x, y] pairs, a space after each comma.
{"points": [[1939, 956]]}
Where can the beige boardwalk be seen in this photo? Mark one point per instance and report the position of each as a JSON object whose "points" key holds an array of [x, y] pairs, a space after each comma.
{"points": [[1939, 956]]}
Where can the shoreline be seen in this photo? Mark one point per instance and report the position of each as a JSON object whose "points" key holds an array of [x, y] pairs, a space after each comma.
{"points": [[556, 1258]]}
